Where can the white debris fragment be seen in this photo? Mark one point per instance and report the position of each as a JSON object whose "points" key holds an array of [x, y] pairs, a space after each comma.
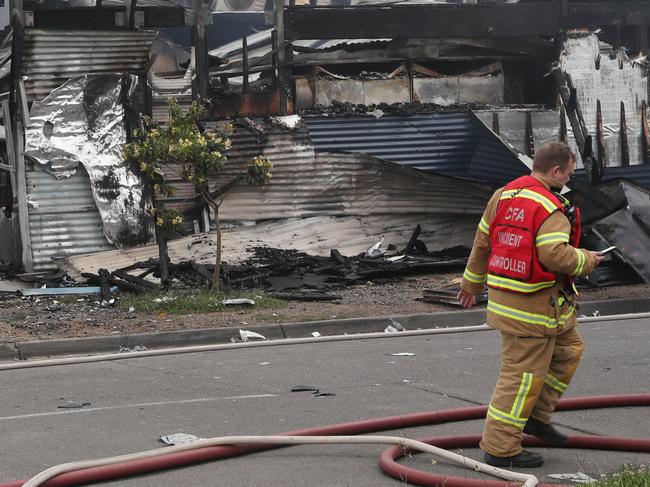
{"points": [[131, 309], [376, 250], [238, 301], [31, 202], [164, 299], [265, 363], [377, 113], [577, 478], [595, 313], [402, 354], [137, 348], [396, 324], [290, 122], [394, 327], [395, 258], [179, 439], [246, 335], [315, 334]]}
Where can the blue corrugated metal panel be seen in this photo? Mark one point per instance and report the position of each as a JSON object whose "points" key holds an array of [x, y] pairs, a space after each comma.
{"points": [[436, 142], [493, 160], [455, 144], [640, 174]]}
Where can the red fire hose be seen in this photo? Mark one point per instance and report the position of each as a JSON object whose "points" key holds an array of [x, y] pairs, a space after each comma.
{"points": [[388, 464]]}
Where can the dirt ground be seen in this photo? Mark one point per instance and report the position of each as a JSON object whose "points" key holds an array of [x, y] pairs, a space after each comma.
{"points": [[48, 318]]}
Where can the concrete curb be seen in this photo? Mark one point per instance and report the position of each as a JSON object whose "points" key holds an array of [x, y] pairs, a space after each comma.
{"points": [[104, 344]]}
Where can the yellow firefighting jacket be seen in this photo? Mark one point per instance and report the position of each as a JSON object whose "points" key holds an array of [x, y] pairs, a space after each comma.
{"points": [[542, 313]]}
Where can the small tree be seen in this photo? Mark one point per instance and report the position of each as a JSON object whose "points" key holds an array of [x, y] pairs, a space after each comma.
{"points": [[197, 155]]}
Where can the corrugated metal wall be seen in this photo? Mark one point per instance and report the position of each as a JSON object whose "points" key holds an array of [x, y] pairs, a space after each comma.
{"points": [[309, 183], [439, 142], [63, 219], [52, 56], [451, 143]]}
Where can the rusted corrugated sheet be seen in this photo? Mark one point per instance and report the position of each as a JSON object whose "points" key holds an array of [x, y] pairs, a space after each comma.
{"points": [[52, 56], [63, 219]]}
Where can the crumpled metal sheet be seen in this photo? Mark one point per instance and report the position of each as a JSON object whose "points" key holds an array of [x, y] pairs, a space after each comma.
{"points": [[82, 122]]}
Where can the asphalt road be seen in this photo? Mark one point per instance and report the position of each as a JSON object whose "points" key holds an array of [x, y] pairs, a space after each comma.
{"points": [[247, 391]]}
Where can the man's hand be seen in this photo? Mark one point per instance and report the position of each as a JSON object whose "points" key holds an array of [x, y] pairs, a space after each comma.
{"points": [[598, 257], [466, 300]]}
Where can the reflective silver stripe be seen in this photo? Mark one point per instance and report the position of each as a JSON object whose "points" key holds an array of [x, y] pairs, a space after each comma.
{"points": [[475, 278], [581, 263], [484, 227], [550, 238], [524, 389], [555, 383], [527, 317], [505, 417], [513, 285], [548, 205]]}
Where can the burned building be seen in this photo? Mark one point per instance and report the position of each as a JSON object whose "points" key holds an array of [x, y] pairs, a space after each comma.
{"points": [[354, 90]]}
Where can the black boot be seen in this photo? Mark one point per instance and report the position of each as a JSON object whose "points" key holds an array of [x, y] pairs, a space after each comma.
{"points": [[525, 459], [544, 431]]}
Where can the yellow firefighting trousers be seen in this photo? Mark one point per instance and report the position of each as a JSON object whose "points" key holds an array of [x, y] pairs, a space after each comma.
{"points": [[535, 372]]}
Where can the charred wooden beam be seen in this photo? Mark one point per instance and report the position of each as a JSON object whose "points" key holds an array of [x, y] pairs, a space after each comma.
{"points": [[411, 243], [103, 277], [581, 134], [200, 50], [495, 123], [645, 133], [625, 148], [465, 20], [204, 271], [104, 18], [130, 9], [244, 42], [138, 281], [283, 73], [600, 136], [564, 134], [529, 138], [104, 285], [338, 257]]}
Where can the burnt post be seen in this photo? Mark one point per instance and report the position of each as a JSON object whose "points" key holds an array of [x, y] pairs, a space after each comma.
{"points": [[600, 136], [645, 133], [130, 5], [530, 140], [274, 58], [569, 97], [625, 148], [200, 50], [564, 133], [495, 123], [244, 65], [283, 74]]}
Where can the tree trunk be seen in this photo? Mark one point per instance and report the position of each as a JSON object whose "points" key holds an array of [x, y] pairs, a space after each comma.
{"points": [[216, 276], [163, 257]]}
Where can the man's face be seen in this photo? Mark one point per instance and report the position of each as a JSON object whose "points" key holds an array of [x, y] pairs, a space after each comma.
{"points": [[564, 175]]}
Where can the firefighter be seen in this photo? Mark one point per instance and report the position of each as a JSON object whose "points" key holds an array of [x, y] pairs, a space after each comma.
{"points": [[526, 251]]}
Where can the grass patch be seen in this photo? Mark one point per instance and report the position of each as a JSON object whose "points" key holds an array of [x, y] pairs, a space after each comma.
{"points": [[629, 476], [190, 302]]}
